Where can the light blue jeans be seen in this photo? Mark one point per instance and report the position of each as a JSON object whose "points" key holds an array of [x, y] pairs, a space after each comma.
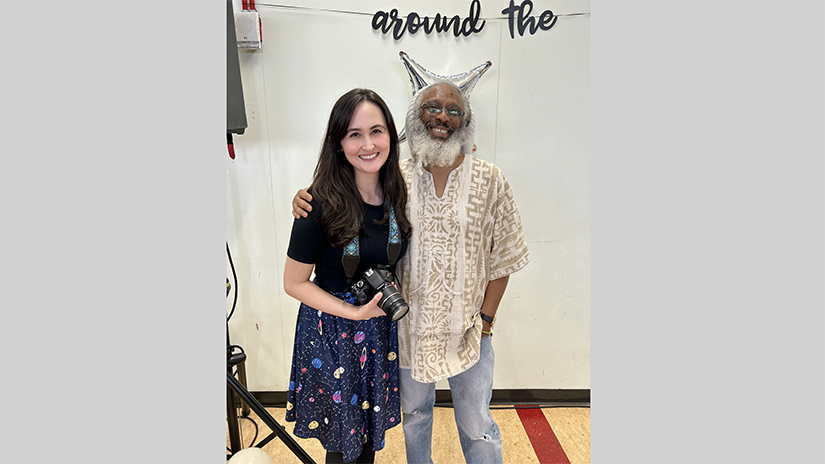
{"points": [[471, 392]]}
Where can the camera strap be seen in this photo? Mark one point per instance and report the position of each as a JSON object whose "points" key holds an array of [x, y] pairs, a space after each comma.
{"points": [[351, 255]]}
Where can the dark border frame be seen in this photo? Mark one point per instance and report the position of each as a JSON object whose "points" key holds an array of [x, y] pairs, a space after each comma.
{"points": [[500, 397]]}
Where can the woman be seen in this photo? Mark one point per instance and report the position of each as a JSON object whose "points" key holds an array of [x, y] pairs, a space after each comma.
{"points": [[343, 387]]}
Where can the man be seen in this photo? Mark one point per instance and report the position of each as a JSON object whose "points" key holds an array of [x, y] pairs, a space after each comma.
{"points": [[467, 239]]}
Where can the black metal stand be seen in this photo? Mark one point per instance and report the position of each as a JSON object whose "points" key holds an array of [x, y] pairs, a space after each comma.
{"points": [[233, 401], [235, 388]]}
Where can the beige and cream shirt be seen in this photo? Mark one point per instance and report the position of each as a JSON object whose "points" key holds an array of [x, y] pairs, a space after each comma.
{"points": [[460, 242]]}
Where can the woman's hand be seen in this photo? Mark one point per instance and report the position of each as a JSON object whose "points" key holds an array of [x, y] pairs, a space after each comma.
{"points": [[300, 204], [371, 309]]}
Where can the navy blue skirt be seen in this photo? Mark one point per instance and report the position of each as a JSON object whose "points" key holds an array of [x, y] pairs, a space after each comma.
{"points": [[343, 388]]}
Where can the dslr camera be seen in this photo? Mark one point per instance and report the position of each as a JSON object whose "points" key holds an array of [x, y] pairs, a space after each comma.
{"points": [[379, 280]]}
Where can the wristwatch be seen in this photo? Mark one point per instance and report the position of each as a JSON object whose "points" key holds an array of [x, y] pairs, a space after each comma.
{"points": [[491, 320]]}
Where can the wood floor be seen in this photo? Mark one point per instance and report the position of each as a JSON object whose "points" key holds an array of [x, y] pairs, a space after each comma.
{"points": [[564, 437]]}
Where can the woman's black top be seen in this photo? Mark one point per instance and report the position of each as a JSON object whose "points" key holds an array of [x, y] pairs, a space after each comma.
{"points": [[308, 244]]}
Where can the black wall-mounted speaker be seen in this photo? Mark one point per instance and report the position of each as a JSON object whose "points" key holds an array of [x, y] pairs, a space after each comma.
{"points": [[235, 108]]}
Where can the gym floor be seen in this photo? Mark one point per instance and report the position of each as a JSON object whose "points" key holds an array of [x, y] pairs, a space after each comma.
{"points": [[530, 435]]}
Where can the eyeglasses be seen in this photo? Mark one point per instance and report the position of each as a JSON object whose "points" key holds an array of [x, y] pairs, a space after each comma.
{"points": [[452, 110]]}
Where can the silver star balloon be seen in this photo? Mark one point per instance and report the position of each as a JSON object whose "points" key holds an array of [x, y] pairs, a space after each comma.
{"points": [[421, 77]]}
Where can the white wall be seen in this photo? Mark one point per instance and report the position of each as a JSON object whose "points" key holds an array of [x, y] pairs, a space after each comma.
{"points": [[533, 119]]}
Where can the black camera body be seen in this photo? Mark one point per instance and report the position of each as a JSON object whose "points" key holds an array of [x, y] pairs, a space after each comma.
{"points": [[379, 280]]}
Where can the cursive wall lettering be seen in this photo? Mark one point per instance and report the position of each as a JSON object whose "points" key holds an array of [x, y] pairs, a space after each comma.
{"points": [[391, 22], [545, 22], [518, 16]]}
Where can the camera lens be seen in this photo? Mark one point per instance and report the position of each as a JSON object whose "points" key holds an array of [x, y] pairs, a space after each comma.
{"points": [[393, 304]]}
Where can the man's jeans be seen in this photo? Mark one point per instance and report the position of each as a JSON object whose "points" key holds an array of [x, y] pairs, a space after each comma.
{"points": [[471, 392]]}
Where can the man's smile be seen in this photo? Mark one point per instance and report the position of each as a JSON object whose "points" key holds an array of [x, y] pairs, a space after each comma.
{"points": [[439, 130]]}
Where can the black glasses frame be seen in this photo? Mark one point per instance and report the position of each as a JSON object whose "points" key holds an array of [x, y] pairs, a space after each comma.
{"points": [[433, 108]]}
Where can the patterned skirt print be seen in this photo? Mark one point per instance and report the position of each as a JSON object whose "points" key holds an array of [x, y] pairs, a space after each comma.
{"points": [[343, 388]]}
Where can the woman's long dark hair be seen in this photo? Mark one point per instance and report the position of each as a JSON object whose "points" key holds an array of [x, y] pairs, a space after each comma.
{"points": [[333, 183]]}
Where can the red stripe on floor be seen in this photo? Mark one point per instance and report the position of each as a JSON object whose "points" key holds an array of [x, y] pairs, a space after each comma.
{"points": [[544, 441]]}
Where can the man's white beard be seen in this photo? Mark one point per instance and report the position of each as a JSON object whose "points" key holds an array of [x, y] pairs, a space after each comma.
{"points": [[430, 151]]}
